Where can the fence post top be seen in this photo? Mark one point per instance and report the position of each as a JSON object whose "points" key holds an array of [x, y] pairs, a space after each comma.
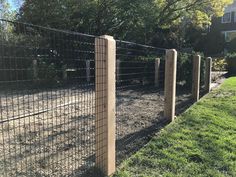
{"points": [[171, 50], [197, 56], [171, 53], [107, 37], [209, 58]]}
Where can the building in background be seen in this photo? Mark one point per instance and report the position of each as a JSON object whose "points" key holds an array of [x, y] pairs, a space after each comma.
{"points": [[227, 23], [223, 30]]}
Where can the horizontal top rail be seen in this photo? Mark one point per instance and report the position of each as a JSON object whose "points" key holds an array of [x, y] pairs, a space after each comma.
{"points": [[141, 45], [48, 28]]}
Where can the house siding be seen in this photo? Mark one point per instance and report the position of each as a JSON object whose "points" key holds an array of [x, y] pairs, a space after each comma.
{"points": [[217, 24]]}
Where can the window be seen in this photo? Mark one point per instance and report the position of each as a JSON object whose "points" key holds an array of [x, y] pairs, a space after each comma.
{"points": [[235, 17], [226, 18], [229, 35]]}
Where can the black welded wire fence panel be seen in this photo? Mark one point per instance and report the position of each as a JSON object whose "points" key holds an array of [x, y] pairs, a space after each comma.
{"points": [[202, 76], [139, 104], [184, 81], [184, 71], [47, 101]]}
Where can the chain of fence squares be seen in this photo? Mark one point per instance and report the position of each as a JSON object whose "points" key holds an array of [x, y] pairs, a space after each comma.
{"points": [[55, 92]]}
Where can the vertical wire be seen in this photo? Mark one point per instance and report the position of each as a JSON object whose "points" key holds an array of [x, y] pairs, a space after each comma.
{"points": [[64, 110], [28, 92], [13, 122], [70, 107], [24, 105], [2, 105], [47, 130], [3, 142], [8, 126], [17, 65]]}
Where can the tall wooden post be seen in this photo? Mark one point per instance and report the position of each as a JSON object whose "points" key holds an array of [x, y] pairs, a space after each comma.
{"points": [[88, 70], [170, 84], [105, 60], [157, 69], [208, 68], [196, 77]]}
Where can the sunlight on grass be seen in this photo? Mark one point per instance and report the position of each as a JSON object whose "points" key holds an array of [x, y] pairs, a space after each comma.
{"points": [[201, 142]]}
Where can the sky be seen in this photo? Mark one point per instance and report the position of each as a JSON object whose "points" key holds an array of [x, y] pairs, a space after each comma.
{"points": [[13, 4]]}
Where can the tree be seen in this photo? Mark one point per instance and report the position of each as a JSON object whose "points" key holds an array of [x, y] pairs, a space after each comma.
{"points": [[139, 20], [5, 10]]}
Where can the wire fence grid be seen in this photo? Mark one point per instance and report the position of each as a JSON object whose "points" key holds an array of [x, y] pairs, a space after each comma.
{"points": [[47, 99], [139, 102], [184, 81], [51, 87], [202, 76]]}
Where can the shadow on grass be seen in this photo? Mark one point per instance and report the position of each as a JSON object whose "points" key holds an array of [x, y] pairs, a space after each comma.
{"points": [[131, 143]]}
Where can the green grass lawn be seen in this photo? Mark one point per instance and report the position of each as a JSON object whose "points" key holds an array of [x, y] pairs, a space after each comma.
{"points": [[201, 142]]}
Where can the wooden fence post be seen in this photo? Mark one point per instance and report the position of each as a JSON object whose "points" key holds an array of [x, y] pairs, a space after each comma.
{"points": [[170, 84], [88, 70], [105, 61], [35, 69], [208, 65], [157, 69], [196, 77]]}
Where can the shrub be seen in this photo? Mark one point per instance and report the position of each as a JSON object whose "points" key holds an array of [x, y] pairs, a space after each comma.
{"points": [[231, 60], [231, 46], [219, 64], [184, 69], [47, 73]]}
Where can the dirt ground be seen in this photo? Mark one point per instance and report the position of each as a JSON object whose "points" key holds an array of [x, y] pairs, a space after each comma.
{"points": [[140, 115], [52, 133]]}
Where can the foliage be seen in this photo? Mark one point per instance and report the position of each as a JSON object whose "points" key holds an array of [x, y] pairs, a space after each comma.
{"points": [[211, 44], [47, 73], [201, 142], [14, 36], [231, 46], [138, 21], [185, 68], [5, 11], [219, 64], [231, 60]]}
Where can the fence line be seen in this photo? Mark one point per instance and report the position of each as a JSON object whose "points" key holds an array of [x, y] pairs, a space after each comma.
{"points": [[73, 102], [208, 74], [47, 103]]}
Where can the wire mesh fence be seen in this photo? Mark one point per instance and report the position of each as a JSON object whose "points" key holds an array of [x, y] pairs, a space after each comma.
{"points": [[139, 98], [47, 99], [184, 81], [202, 76], [54, 88]]}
